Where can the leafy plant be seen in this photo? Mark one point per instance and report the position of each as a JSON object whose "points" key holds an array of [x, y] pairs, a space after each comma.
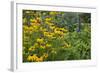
{"points": [[56, 36]]}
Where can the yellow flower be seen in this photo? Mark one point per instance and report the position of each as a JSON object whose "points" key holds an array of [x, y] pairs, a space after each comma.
{"points": [[33, 20], [49, 34], [39, 59], [46, 33], [29, 58], [48, 45], [42, 46], [32, 48], [25, 27], [53, 13], [35, 27], [36, 21], [45, 55], [63, 29], [57, 31], [34, 57], [52, 27], [49, 23], [30, 28], [36, 45], [43, 29], [48, 19], [25, 32], [40, 40]]}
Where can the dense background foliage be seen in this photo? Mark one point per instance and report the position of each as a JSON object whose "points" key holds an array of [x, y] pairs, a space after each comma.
{"points": [[56, 36]]}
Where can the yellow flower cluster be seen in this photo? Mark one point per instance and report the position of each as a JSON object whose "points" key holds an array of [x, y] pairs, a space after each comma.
{"points": [[35, 58], [36, 21], [30, 29], [45, 30], [33, 27], [55, 30], [27, 29], [42, 29], [40, 44], [49, 34], [43, 44]]}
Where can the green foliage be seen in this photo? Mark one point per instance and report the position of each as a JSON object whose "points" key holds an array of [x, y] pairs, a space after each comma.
{"points": [[56, 36]]}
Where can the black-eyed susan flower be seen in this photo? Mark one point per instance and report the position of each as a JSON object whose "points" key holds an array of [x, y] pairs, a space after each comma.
{"points": [[32, 48], [29, 58], [48, 45], [40, 40]]}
